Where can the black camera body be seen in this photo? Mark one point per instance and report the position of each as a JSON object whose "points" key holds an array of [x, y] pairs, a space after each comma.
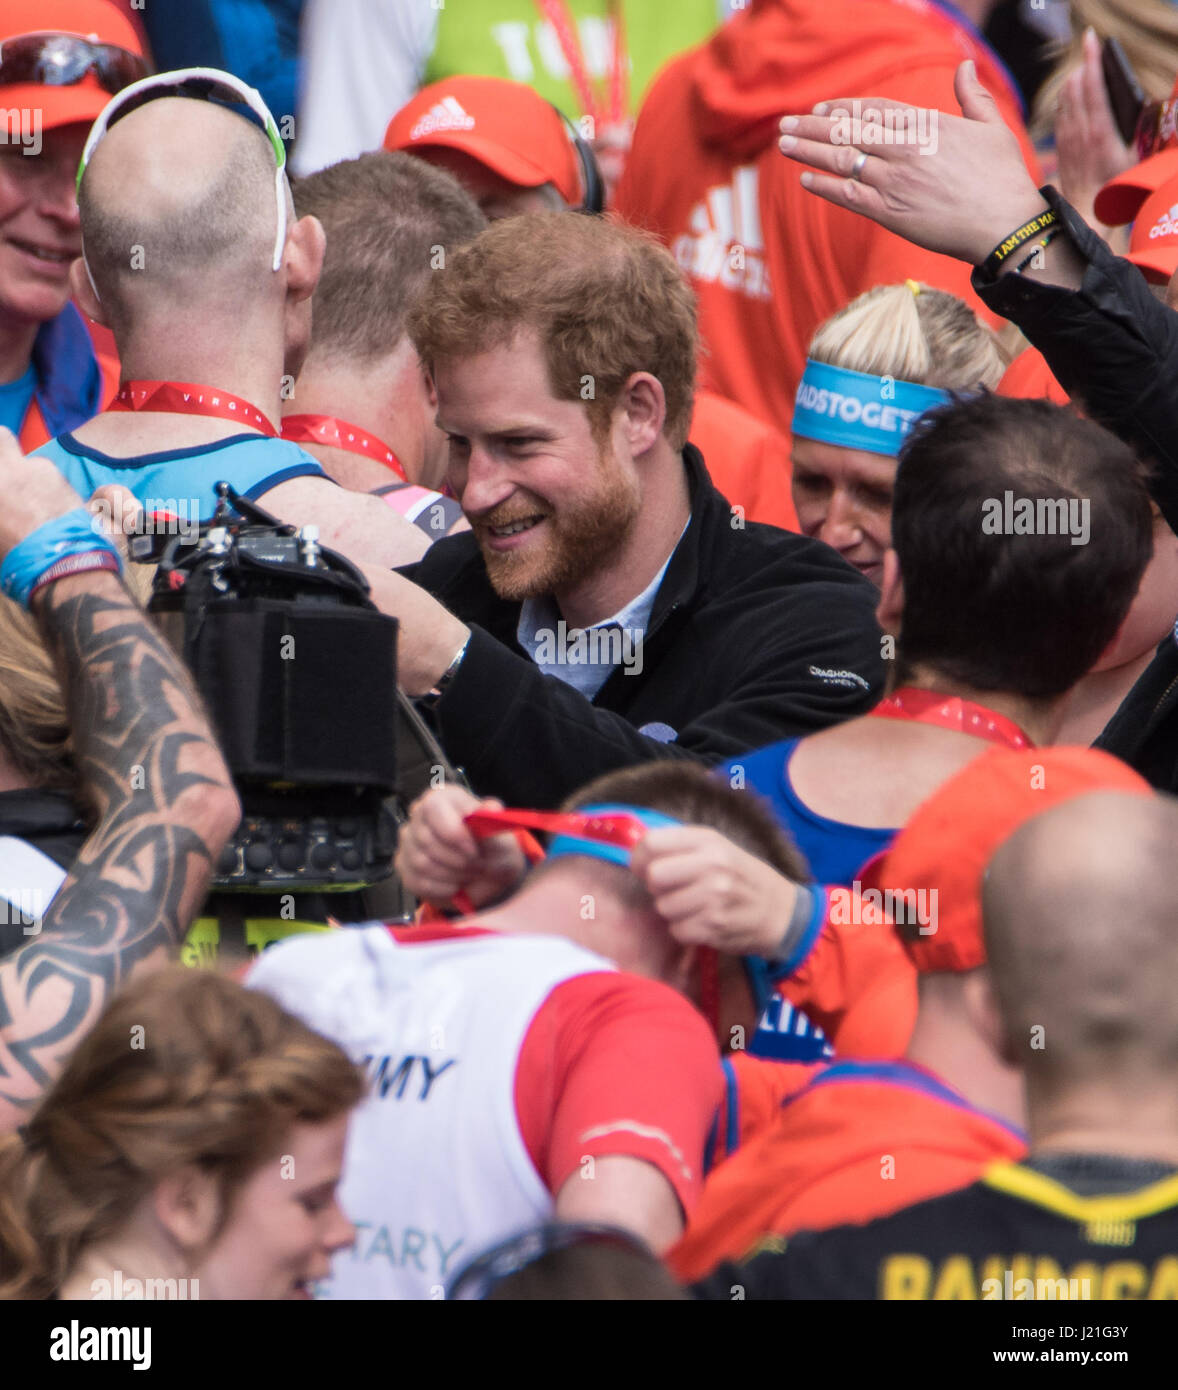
{"points": [[298, 671]]}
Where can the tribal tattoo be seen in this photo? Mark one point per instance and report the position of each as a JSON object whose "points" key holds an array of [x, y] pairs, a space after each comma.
{"points": [[164, 808]]}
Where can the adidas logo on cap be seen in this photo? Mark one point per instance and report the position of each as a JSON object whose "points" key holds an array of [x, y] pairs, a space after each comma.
{"points": [[446, 115], [1166, 225]]}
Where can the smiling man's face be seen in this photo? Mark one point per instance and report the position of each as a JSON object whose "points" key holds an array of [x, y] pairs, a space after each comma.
{"points": [[40, 232], [548, 502]]}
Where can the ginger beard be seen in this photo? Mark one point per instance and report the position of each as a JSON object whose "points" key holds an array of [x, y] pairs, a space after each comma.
{"points": [[584, 535]]}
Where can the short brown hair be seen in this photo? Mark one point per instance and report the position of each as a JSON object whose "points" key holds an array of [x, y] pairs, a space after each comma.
{"points": [[389, 219], [694, 795], [607, 300]]}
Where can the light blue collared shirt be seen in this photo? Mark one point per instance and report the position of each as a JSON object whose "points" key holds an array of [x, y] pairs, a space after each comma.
{"points": [[585, 658]]}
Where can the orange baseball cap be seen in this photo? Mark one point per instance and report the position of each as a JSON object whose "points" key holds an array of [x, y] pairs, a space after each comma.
{"points": [[1153, 243], [948, 843], [504, 125], [96, 20], [1121, 199]]}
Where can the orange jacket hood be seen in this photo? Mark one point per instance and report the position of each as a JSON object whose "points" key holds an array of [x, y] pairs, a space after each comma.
{"points": [[783, 56]]}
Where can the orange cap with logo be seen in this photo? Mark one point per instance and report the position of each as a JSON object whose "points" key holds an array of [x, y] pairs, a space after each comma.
{"points": [[96, 20], [947, 844], [504, 125], [1153, 242]]}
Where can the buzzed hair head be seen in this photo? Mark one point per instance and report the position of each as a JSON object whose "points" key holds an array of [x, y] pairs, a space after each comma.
{"points": [[1082, 940], [391, 219], [178, 210]]}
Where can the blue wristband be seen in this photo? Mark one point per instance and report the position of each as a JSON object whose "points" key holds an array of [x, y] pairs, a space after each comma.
{"points": [[75, 533]]}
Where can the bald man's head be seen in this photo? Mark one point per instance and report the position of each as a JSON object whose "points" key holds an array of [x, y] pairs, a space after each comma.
{"points": [[179, 212], [1082, 939]]}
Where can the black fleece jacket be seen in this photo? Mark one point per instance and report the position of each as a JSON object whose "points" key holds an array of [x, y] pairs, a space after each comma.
{"points": [[1114, 347], [756, 635]]}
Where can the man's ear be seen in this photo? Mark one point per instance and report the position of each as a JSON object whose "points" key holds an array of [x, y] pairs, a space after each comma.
{"points": [[985, 1016], [84, 294], [644, 405], [890, 609], [187, 1204], [303, 258]]}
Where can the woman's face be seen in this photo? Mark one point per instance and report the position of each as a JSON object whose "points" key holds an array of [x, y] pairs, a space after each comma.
{"points": [[844, 497], [285, 1224]]}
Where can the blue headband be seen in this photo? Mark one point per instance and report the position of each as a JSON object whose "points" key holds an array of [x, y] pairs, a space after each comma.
{"points": [[855, 410], [561, 845]]}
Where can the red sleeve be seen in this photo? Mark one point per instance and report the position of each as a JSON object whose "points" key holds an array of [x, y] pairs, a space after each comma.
{"points": [[614, 1064], [857, 983]]}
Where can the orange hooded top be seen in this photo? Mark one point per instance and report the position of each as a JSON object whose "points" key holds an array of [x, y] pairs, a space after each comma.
{"points": [[769, 261]]}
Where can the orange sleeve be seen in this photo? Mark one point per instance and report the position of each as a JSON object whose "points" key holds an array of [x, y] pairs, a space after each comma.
{"points": [[747, 459], [1030, 378], [857, 982], [614, 1064], [757, 1088]]}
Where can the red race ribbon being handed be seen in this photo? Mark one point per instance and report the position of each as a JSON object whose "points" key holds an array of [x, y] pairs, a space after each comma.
{"points": [[339, 434], [188, 398]]}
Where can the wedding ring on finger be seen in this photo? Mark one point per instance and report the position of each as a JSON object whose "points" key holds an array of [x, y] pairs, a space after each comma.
{"points": [[857, 167]]}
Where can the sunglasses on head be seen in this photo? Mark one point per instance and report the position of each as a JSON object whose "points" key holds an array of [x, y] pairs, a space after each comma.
{"points": [[200, 84], [63, 60]]}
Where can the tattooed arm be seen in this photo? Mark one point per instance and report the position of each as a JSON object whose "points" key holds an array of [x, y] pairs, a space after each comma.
{"points": [[161, 793]]}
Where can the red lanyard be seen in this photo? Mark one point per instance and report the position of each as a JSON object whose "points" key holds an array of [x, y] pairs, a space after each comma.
{"points": [[186, 398], [339, 434], [951, 712], [558, 15]]}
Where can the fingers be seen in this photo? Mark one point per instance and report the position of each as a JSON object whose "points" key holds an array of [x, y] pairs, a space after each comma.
{"points": [[852, 194], [1090, 87], [437, 854], [975, 101]]}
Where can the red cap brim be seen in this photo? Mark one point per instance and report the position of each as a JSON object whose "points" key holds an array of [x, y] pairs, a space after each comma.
{"points": [[1120, 199], [78, 104]]}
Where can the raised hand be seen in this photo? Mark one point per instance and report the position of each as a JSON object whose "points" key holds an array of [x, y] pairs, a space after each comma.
{"points": [[953, 184]]}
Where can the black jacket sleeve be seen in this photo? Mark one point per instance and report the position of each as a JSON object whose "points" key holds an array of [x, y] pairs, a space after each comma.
{"points": [[1111, 344], [532, 740]]}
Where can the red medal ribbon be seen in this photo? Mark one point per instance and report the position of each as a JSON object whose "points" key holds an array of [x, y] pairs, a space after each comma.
{"points": [[951, 712], [559, 16], [187, 398], [339, 434]]}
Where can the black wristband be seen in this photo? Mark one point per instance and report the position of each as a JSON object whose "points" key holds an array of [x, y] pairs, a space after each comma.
{"points": [[1041, 245], [993, 263]]}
